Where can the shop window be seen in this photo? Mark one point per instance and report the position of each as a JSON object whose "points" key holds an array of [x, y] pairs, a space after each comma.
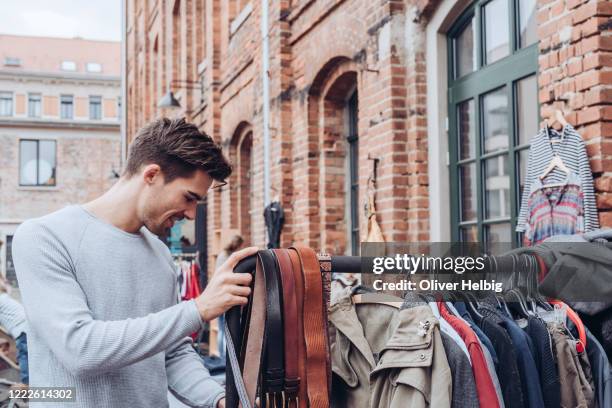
{"points": [[37, 162], [493, 113]]}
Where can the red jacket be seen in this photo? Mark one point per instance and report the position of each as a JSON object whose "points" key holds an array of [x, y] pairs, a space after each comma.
{"points": [[484, 383]]}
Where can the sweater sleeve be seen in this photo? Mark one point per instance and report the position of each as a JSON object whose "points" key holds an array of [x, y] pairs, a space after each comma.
{"points": [[188, 379], [591, 219], [56, 308], [12, 316]]}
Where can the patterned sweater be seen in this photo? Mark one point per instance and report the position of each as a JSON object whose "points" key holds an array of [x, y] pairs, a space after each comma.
{"points": [[554, 210], [573, 153]]}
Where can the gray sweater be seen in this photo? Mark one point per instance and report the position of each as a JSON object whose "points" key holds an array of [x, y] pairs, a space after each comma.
{"points": [[12, 316], [103, 315]]}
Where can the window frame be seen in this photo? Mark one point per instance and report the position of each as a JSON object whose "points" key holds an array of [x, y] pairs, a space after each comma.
{"points": [[30, 95], [38, 184], [12, 110], [352, 162], [99, 103], [504, 73], [61, 102]]}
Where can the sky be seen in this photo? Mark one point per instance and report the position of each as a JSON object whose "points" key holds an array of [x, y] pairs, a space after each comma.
{"points": [[89, 19]]}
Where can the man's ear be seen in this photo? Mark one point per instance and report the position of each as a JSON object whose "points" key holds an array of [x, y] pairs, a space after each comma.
{"points": [[151, 173]]}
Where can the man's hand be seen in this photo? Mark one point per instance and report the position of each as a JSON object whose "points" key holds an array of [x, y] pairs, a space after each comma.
{"points": [[226, 288]]}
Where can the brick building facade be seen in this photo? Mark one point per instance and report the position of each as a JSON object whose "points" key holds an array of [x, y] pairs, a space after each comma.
{"points": [[356, 84]]}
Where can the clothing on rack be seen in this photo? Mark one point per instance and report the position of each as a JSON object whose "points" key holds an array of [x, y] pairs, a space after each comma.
{"points": [[521, 351], [387, 357], [572, 151]]}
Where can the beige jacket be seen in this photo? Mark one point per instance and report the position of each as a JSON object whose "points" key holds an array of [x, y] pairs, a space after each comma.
{"points": [[385, 357]]}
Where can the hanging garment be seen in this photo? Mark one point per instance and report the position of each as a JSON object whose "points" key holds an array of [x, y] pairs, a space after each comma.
{"points": [[545, 361], [487, 395], [274, 218], [491, 363], [530, 381], [446, 328], [463, 313], [508, 372], [602, 372], [577, 273], [388, 358], [572, 151], [465, 394], [554, 210], [575, 389]]}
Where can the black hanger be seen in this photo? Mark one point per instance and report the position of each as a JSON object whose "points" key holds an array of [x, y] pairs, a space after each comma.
{"points": [[516, 302], [471, 304]]}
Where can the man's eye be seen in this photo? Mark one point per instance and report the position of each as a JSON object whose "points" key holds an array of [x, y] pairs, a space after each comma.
{"points": [[188, 199]]}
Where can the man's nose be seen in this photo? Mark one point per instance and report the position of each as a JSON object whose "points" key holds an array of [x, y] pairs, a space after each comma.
{"points": [[190, 214]]}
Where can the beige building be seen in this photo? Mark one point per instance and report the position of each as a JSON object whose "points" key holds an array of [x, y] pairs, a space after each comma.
{"points": [[59, 127]]}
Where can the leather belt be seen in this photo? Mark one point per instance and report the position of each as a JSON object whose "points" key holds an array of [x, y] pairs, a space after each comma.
{"points": [[290, 322], [281, 334], [274, 368], [301, 349], [317, 346], [253, 349]]}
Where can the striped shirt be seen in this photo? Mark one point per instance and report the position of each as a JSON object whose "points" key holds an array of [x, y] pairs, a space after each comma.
{"points": [[572, 151]]}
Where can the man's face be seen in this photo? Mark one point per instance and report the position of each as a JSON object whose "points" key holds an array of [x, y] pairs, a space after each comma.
{"points": [[165, 203]]}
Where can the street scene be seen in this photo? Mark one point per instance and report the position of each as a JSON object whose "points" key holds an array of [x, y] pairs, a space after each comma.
{"points": [[201, 202]]}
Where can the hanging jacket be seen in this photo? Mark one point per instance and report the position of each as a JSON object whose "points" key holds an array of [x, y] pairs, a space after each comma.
{"points": [[274, 218], [545, 361], [573, 153], [387, 357]]}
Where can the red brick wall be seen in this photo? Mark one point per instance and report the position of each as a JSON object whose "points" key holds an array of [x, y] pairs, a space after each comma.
{"points": [[576, 76], [319, 51]]}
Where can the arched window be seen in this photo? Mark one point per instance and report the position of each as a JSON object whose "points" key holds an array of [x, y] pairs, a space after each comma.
{"points": [[493, 113]]}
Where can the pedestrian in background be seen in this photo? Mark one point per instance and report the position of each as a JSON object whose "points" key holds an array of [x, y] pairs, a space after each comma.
{"points": [[13, 319]]}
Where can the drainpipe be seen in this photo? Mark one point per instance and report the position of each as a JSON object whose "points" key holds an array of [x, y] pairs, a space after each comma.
{"points": [[124, 100], [266, 99]]}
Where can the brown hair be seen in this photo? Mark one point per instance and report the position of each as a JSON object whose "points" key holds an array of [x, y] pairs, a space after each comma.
{"points": [[179, 148]]}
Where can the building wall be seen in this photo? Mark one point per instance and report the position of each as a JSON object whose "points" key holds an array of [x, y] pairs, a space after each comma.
{"points": [[87, 150], [320, 51]]}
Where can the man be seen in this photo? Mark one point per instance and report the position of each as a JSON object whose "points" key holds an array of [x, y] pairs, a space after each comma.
{"points": [[100, 291]]}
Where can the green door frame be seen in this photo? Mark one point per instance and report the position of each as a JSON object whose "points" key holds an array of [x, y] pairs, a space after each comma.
{"points": [[519, 64]]}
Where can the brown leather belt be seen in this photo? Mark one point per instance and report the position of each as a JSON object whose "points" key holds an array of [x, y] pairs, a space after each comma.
{"points": [[317, 347], [290, 323], [301, 349]]}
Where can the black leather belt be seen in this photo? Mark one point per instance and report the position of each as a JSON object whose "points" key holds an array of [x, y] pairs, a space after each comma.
{"points": [[252, 358]]}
